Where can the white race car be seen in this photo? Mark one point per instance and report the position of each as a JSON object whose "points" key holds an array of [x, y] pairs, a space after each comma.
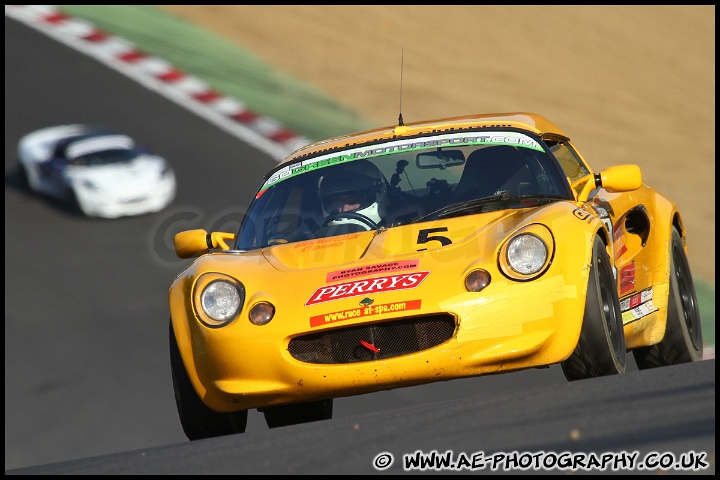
{"points": [[99, 170]]}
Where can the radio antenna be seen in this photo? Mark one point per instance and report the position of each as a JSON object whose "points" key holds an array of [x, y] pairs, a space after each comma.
{"points": [[402, 58]]}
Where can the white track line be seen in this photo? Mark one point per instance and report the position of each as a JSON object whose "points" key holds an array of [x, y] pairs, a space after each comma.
{"points": [[264, 133]]}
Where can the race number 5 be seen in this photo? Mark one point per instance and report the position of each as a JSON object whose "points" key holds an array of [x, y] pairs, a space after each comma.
{"points": [[425, 236]]}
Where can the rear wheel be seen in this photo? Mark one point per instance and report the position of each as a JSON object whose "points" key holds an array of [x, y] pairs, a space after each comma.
{"points": [[683, 341], [601, 349], [197, 420], [292, 414]]}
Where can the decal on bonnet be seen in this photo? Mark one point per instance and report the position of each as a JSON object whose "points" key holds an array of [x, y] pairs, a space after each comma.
{"points": [[329, 242], [372, 270], [389, 283], [583, 215]]}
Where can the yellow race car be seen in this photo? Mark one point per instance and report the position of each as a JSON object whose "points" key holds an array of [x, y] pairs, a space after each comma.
{"points": [[420, 253]]}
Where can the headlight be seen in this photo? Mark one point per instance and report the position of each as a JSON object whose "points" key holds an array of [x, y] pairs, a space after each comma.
{"points": [[219, 300], [527, 254]]}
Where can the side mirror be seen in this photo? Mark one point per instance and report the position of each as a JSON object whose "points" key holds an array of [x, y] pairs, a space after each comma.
{"points": [[615, 179], [621, 178], [193, 243], [440, 159]]}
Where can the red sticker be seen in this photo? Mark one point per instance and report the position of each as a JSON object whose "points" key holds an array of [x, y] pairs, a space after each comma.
{"points": [[627, 278], [368, 286]]}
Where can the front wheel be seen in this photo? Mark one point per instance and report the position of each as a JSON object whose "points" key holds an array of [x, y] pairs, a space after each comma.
{"points": [[683, 341], [197, 420], [73, 202], [601, 348]]}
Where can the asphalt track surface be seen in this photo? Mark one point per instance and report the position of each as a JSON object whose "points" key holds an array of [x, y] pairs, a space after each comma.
{"points": [[87, 377]]}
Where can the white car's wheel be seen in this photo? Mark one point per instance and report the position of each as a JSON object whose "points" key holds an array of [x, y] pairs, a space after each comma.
{"points": [[73, 202], [23, 179]]}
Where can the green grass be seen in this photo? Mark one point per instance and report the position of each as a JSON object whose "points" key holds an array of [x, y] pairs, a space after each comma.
{"points": [[706, 301]]}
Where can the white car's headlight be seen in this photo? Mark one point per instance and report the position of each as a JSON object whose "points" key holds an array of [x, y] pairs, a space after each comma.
{"points": [[527, 253], [219, 301]]}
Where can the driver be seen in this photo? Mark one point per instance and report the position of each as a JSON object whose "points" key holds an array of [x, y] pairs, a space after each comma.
{"points": [[354, 196]]}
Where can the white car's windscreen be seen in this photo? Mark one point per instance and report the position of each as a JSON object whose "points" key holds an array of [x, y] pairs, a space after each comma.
{"points": [[99, 144]]}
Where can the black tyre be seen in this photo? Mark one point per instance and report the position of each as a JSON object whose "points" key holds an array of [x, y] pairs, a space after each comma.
{"points": [[292, 414], [197, 420], [73, 203], [601, 348], [683, 340]]}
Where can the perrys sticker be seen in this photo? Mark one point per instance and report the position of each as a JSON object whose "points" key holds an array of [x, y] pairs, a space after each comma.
{"points": [[368, 286], [371, 270]]}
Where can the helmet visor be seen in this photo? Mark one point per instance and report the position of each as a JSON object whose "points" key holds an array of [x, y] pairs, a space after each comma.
{"points": [[347, 201]]}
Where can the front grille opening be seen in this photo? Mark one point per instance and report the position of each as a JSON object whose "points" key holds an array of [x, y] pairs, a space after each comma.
{"points": [[392, 339]]}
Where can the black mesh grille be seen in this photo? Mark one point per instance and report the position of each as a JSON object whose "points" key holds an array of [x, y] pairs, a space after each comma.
{"points": [[391, 339]]}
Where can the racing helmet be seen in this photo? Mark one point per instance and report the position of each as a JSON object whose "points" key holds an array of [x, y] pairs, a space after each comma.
{"points": [[356, 186]]}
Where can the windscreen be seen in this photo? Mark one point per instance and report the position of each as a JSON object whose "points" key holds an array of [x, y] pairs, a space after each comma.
{"points": [[395, 183]]}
